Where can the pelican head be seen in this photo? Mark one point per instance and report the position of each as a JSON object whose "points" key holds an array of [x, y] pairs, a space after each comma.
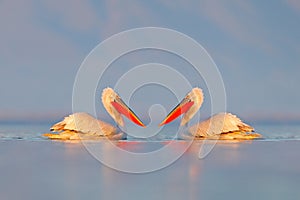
{"points": [[190, 104], [115, 106]]}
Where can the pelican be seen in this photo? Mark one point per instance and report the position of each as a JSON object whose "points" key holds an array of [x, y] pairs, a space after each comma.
{"points": [[84, 126], [224, 126]]}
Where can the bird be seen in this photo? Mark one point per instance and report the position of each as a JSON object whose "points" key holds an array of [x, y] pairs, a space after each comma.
{"points": [[222, 126], [82, 125]]}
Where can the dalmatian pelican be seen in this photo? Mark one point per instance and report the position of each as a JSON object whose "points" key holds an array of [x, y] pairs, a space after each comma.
{"points": [[84, 126], [223, 126]]}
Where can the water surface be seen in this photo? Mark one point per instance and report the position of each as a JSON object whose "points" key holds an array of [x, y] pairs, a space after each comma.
{"points": [[34, 131], [32, 167]]}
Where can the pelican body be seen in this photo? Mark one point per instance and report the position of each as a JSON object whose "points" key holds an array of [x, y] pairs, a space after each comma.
{"points": [[84, 126], [224, 126]]}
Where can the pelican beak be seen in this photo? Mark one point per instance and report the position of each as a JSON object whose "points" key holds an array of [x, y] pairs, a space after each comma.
{"points": [[122, 108], [180, 109]]}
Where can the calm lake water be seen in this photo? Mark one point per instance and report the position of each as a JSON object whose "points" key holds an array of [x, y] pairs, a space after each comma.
{"points": [[23, 131], [32, 167]]}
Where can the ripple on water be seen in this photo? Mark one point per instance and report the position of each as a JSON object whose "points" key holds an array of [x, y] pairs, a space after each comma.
{"points": [[34, 132]]}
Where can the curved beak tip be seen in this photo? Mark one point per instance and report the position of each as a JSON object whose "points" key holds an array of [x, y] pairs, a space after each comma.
{"points": [[162, 123], [138, 122]]}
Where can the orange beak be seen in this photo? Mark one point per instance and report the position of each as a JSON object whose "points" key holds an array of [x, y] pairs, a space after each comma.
{"points": [[180, 109], [122, 108]]}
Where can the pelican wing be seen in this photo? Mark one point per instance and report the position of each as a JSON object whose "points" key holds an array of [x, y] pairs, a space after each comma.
{"points": [[84, 123], [221, 123]]}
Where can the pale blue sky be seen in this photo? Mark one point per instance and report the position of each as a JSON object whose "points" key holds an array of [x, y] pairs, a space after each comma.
{"points": [[255, 44]]}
